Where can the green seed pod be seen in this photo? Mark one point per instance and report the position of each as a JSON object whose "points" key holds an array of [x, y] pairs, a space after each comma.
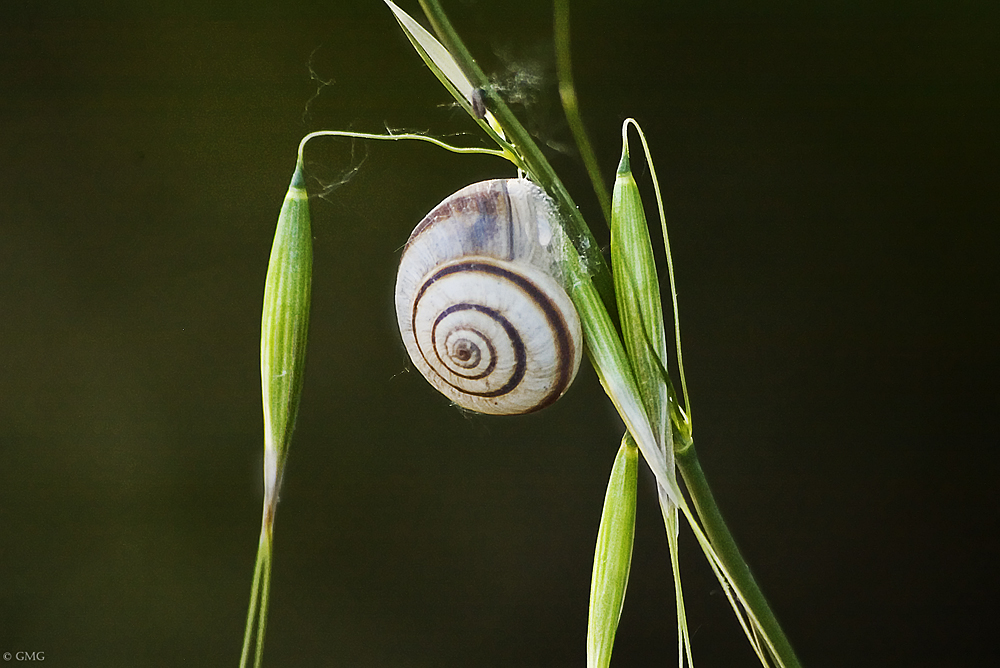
{"points": [[612, 556], [284, 329], [638, 293]]}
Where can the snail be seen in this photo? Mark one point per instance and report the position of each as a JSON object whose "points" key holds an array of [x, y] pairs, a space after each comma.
{"points": [[481, 307]]}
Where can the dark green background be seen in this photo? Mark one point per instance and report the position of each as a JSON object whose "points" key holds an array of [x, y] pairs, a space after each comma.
{"points": [[831, 178]]}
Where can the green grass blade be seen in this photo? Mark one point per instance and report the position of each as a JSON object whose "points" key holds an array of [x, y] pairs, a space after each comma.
{"points": [[732, 569], [265, 602], [612, 556], [454, 78], [435, 55]]}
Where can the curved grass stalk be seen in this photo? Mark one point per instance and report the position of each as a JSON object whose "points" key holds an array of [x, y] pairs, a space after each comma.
{"points": [[567, 93], [500, 153], [640, 326]]}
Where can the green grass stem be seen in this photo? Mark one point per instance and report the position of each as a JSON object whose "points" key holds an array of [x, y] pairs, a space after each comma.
{"points": [[571, 107], [732, 559]]}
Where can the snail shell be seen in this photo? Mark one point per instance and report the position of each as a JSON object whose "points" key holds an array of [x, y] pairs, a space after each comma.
{"points": [[480, 302]]}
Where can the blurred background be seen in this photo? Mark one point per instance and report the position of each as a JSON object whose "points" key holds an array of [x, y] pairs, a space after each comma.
{"points": [[831, 181]]}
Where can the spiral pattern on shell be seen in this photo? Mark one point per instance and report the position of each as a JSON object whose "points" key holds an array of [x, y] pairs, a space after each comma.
{"points": [[482, 313]]}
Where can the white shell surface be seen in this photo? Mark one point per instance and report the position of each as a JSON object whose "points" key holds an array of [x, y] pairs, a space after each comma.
{"points": [[481, 311]]}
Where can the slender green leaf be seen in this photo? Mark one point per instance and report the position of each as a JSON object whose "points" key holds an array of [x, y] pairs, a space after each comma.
{"points": [[612, 556], [433, 53], [453, 77]]}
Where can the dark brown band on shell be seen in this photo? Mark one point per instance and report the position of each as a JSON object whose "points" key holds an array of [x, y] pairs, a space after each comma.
{"points": [[520, 357], [565, 353]]}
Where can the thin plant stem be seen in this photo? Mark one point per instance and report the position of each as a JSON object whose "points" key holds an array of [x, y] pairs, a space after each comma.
{"points": [[395, 137], [252, 609], [259, 595], [567, 93], [265, 600], [732, 559]]}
